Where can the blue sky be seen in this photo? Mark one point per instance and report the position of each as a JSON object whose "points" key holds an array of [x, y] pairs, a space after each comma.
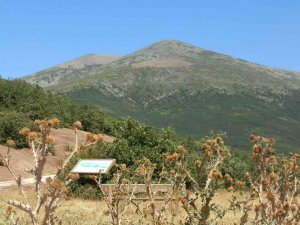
{"points": [[36, 34]]}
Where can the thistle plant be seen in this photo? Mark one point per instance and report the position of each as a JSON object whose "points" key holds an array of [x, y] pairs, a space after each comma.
{"points": [[157, 213], [197, 202], [118, 198], [138, 193], [274, 193], [41, 208]]}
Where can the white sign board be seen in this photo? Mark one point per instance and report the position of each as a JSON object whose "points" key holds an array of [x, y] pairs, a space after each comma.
{"points": [[93, 166]]}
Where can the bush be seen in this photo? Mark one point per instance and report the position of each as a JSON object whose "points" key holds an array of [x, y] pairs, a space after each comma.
{"points": [[84, 188], [238, 164], [135, 141], [275, 189], [10, 124]]}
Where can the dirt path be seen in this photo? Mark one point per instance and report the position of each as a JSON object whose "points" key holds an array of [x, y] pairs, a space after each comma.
{"points": [[26, 181]]}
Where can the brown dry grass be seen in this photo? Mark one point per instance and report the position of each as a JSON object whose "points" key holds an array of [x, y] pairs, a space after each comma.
{"points": [[83, 212]]}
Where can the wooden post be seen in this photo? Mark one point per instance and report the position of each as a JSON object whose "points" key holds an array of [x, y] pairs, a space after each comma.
{"points": [[110, 193]]}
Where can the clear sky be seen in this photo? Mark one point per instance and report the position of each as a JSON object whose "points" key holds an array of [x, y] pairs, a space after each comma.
{"points": [[37, 34]]}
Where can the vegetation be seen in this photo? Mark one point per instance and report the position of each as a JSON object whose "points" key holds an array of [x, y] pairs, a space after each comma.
{"points": [[193, 181], [136, 141], [275, 189], [266, 186], [10, 123], [22, 103], [41, 208]]}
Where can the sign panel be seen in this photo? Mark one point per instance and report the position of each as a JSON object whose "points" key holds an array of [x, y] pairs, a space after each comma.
{"points": [[93, 166]]}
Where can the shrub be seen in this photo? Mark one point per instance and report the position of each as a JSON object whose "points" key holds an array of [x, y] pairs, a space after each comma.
{"points": [[238, 164], [49, 197], [274, 190], [133, 142], [85, 188], [10, 124], [198, 203]]}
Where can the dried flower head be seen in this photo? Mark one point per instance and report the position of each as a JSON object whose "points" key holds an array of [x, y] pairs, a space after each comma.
{"points": [[247, 175], [274, 176], [122, 168], [228, 178], [198, 163], [240, 184], [10, 143], [24, 131], [50, 139], [175, 156], [182, 150], [209, 151], [271, 159], [53, 122], [42, 124], [57, 184], [32, 135], [163, 173], [77, 125], [90, 137], [216, 174], [73, 176]]}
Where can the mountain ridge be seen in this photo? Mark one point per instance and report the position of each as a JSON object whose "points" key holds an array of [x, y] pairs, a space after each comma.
{"points": [[168, 54], [177, 84]]}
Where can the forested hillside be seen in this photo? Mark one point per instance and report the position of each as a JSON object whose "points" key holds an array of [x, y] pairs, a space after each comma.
{"points": [[22, 103]]}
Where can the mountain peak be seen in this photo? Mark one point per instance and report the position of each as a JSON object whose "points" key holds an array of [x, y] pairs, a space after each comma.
{"points": [[169, 49], [173, 43]]}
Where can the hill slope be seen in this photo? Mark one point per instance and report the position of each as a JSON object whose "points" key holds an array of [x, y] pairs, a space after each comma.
{"points": [[192, 89], [22, 103], [70, 70], [22, 159]]}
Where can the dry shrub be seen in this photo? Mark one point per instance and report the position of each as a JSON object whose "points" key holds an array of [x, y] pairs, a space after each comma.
{"points": [[197, 202], [118, 201], [153, 211], [274, 195], [41, 208]]}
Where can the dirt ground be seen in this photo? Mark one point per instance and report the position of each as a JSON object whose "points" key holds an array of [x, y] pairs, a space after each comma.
{"points": [[22, 159], [83, 212]]}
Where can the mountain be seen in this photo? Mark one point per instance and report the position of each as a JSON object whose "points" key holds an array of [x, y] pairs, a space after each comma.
{"points": [[192, 89], [70, 70]]}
